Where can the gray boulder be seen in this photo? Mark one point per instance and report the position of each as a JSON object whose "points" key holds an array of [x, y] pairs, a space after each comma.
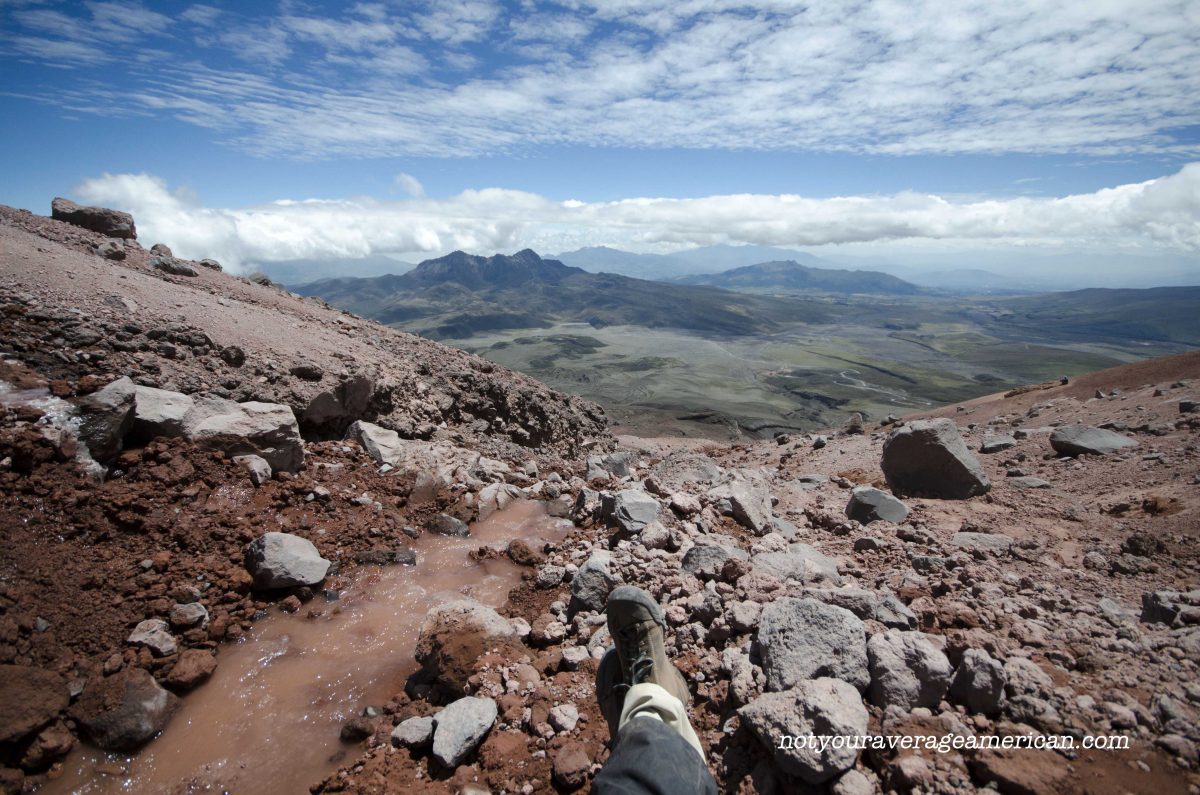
{"points": [[268, 430], [105, 417], [112, 223], [282, 560], [867, 605], [802, 639], [996, 444], [461, 727], [1076, 440], [979, 682], [745, 498], [593, 583], [445, 525], [413, 732], [380, 443], [162, 249], [337, 407], [929, 457], [1167, 607], [256, 466], [187, 615], [173, 266], [706, 559], [869, 504], [907, 670], [821, 707], [155, 635], [630, 510], [681, 467], [802, 563], [111, 249], [125, 710], [608, 465], [160, 412]]}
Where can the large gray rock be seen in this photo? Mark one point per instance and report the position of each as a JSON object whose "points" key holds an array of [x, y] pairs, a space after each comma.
{"points": [[822, 707], [125, 710], [413, 732], [593, 583], [802, 639], [1167, 607], [282, 560], [461, 727], [907, 670], [268, 430], [380, 443], [868, 504], [334, 409], [160, 412], [105, 417], [996, 444], [454, 636], [609, 465], [436, 459], [681, 468], [928, 457], [155, 635], [706, 559], [802, 563], [446, 525], [745, 498], [113, 223], [1075, 440], [979, 682], [629, 510], [173, 266], [111, 249], [256, 466], [867, 605]]}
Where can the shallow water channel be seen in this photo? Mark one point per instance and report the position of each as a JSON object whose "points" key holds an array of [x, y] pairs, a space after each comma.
{"points": [[268, 719]]}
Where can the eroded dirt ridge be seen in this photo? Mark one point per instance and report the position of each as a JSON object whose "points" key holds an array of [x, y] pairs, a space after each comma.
{"points": [[1020, 564]]}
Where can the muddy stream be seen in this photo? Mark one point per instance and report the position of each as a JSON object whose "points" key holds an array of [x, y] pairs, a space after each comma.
{"points": [[268, 719]]}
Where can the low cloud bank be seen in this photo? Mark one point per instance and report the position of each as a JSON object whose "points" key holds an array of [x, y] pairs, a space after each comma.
{"points": [[1160, 215]]}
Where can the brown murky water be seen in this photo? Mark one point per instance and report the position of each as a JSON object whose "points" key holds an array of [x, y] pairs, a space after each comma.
{"points": [[268, 720]]}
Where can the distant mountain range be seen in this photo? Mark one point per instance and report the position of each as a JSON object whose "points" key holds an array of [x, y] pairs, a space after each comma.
{"points": [[459, 295], [683, 265], [791, 275]]}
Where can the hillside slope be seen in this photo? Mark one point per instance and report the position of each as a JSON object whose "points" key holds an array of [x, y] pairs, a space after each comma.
{"points": [[180, 333]]}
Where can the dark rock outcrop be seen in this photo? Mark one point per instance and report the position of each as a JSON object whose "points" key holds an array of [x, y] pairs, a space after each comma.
{"points": [[113, 223]]}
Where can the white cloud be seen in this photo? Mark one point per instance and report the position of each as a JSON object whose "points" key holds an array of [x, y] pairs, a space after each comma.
{"points": [[410, 185], [473, 77], [1161, 215]]}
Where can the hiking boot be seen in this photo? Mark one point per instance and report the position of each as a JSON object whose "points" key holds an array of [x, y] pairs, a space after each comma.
{"points": [[636, 624]]}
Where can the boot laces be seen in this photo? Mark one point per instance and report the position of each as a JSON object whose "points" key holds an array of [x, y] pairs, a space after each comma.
{"points": [[641, 665]]}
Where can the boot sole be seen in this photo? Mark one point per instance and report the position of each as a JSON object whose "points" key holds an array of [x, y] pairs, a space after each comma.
{"points": [[635, 595]]}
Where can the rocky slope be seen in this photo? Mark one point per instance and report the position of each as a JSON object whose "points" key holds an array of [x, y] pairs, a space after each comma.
{"points": [[1060, 601], [977, 575]]}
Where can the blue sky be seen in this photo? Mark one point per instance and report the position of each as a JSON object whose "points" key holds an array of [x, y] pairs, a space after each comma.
{"points": [[903, 129]]}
